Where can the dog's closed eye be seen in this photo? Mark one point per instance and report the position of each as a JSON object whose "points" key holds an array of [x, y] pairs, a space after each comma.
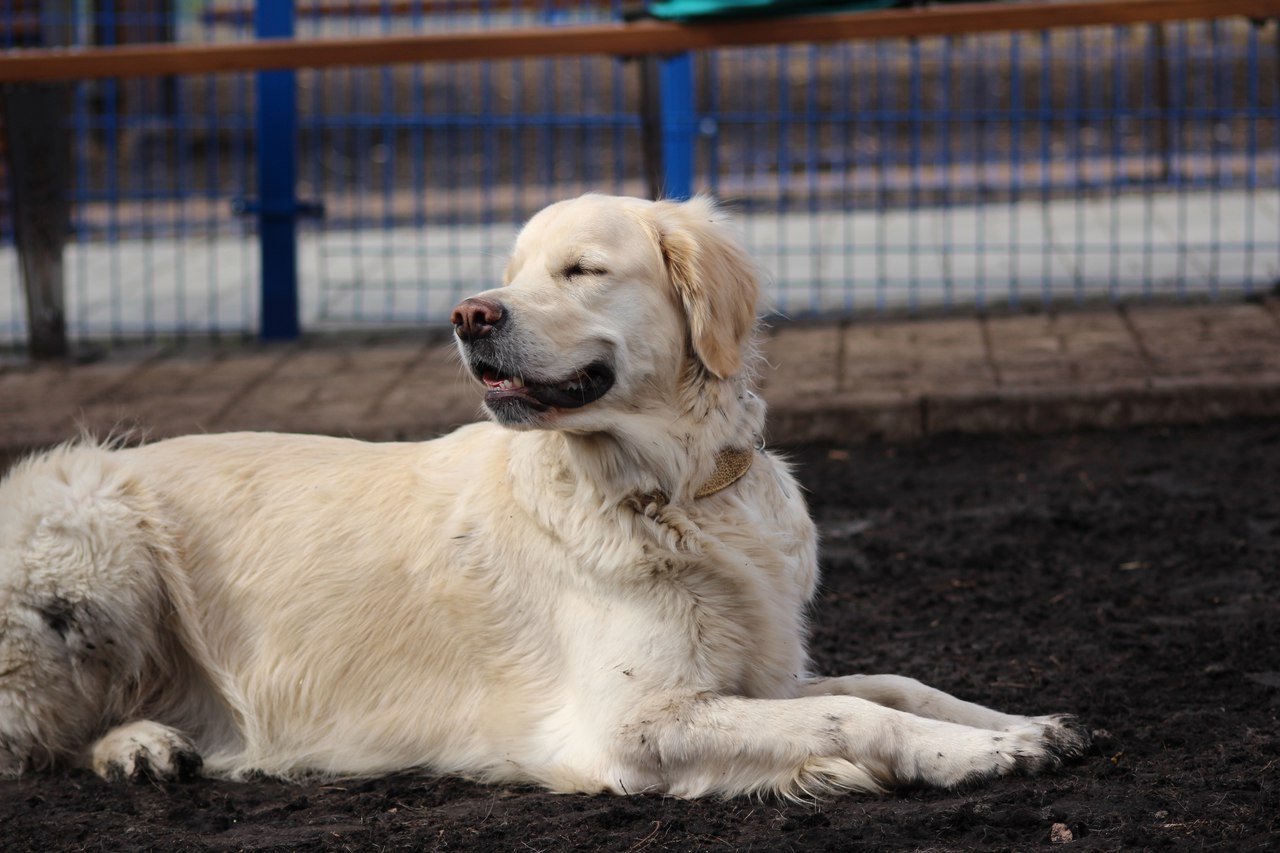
{"points": [[581, 267]]}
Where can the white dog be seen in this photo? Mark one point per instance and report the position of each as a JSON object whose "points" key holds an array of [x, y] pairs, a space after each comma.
{"points": [[605, 590]]}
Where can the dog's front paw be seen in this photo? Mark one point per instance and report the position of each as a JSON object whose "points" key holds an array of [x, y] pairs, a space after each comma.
{"points": [[1065, 736], [1046, 742], [1029, 746], [956, 756], [145, 750]]}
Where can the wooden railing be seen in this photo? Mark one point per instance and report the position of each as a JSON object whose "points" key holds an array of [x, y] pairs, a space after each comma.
{"points": [[638, 38]]}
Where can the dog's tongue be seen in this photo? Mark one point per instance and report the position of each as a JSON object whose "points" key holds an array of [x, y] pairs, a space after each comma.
{"points": [[509, 383]]}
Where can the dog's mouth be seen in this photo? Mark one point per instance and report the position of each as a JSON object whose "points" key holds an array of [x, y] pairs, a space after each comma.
{"points": [[583, 386]]}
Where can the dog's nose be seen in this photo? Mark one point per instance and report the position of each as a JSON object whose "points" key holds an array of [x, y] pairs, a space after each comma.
{"points": [[476, 317]]}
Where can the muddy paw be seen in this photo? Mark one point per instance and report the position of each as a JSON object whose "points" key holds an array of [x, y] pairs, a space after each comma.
{"points": [[1065, 736], [1047, 742], [145, 750]]}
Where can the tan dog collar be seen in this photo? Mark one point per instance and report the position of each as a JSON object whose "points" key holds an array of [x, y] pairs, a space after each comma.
{"points": [[732, 464]]}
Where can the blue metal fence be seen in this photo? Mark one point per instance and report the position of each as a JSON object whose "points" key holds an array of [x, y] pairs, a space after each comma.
{"points": [[1116, 161], [1111, 162], [277, 206], [153, 247]]}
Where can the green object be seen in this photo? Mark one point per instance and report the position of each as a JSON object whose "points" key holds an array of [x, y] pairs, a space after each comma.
{"points": [[685, 10]]}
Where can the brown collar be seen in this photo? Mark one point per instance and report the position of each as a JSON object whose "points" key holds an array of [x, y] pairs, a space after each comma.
{"points": [[732, 464]]}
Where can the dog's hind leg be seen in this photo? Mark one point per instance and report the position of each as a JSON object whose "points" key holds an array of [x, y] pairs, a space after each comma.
{"points": [[85, 642]]}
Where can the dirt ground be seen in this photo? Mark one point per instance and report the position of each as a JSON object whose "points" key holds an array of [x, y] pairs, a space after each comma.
{"points": [[1128, 577]]}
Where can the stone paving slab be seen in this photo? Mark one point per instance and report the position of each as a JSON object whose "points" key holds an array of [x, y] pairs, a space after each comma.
{"points": [[829, 382]]}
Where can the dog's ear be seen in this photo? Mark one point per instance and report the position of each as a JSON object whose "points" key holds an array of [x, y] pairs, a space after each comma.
{"points": [[715, 278]]}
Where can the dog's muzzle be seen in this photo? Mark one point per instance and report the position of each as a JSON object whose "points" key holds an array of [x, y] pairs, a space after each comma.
{"points": [[496, 361], [583, 386]]}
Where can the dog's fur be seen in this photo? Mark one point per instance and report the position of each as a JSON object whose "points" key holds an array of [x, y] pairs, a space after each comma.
{"points": [[541, 600]]}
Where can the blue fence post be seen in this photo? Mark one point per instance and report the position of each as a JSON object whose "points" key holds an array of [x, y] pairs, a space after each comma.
{"points": [[277, 169], [675, 82]]}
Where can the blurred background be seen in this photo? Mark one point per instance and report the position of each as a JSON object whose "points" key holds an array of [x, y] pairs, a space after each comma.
{"points": [[887, 172]]}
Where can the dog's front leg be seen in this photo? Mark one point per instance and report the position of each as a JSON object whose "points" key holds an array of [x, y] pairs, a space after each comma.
{"points": [[1064, 734], [811, 746]]}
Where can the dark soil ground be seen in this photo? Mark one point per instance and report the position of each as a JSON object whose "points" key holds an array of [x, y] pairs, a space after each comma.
{"points": [[1131, 578]]}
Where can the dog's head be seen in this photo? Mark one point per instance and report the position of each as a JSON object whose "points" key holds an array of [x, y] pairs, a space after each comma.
{"points": [[610, 305]]}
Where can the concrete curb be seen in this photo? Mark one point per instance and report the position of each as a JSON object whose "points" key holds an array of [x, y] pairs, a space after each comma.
{"points": [[1026, 410]]}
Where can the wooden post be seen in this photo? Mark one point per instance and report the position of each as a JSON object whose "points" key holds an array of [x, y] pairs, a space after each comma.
{"points": [[39, 163]]}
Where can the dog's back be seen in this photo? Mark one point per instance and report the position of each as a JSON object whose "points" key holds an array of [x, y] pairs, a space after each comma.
{"points": [[308, 583]]}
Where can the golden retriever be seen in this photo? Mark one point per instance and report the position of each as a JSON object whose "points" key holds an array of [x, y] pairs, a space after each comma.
{"points": [[605, 589]]}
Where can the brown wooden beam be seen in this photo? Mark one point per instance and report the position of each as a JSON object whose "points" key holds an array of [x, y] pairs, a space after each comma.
{"points": [[612, 39]]}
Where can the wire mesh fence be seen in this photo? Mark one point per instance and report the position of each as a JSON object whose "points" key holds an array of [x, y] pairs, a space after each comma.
{"points": [[1115, 161], [1120, 162], [153, 248], [425, 173]]}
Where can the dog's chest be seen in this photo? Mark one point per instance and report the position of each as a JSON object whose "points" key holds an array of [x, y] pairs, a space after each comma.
{"points": [[702, 597], [725, 621]]}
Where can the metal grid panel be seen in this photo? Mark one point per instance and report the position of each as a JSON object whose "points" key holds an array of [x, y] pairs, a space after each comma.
{"points": [[154, 249], [1121, 162], [426, 173]]}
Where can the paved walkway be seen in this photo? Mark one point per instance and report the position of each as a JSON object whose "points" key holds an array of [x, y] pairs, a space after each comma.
{"points": [[898, 380]]}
